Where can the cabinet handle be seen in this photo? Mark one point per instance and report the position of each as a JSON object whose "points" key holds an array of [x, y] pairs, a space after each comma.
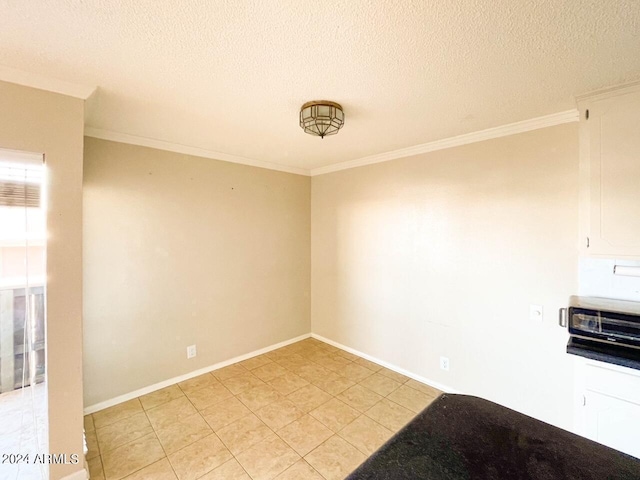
{"points": [[562, 317]]}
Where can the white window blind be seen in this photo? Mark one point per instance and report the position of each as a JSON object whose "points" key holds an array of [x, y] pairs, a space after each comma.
{"points": [[20, 187]]}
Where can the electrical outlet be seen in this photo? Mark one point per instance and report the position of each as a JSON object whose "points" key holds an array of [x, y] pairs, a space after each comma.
{"points": [[535, 313], [444, 363], [191, 351]]}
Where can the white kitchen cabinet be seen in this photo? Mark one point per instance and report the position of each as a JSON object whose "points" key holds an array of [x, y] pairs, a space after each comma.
{"points": [[608, 405], [613, 422], [610, 172]]}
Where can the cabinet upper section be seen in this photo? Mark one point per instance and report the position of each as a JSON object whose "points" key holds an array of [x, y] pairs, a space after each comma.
{"points": [[610, 170]]}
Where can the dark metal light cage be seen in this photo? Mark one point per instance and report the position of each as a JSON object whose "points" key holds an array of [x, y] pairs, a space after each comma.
{"points": [[321, 118]]}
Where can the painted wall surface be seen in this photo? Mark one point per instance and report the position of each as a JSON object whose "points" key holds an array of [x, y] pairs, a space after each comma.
{"points": [[43, 122], [182, 250], [442, 254]]}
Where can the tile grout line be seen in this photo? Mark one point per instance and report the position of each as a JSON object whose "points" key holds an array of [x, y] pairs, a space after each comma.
{"points": [[364, 413], [274, 431], [334, 396], [200, 413], [157, 439], [332, 352], [153, 429], [213, 432], [359, 412]]}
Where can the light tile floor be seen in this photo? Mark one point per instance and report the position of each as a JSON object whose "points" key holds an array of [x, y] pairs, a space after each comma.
{"points": [[23, 430], [304, 411]]}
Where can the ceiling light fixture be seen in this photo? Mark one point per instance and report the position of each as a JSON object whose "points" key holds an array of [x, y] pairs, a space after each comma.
{"points": [[321, 118]]}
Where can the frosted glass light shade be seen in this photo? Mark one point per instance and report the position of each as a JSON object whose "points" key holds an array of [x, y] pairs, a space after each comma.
{"points": [[321, 118]]}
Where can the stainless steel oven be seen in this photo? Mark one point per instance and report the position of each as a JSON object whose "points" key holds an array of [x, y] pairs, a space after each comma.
{"points": [[604, 329]]}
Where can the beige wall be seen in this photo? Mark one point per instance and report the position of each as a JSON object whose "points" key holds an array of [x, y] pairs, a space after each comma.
{"points": [[182, 250], [38, 121], [441, 255]]}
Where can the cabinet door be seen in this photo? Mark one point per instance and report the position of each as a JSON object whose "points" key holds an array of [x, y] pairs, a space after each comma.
{"points": [[614, 158], [613, 422]]}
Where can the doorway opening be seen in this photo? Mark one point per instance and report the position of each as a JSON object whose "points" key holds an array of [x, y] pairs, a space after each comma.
{"points": [[23, 389]]}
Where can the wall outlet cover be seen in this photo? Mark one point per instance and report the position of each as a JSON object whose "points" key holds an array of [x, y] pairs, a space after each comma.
{"points": [[444, 363], [191, 351]]}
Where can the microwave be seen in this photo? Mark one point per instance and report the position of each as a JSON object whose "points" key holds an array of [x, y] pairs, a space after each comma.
{"points": [[604, 329]]}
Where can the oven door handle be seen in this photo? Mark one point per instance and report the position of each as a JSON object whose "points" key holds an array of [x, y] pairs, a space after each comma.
{"points": [[562, 317]]}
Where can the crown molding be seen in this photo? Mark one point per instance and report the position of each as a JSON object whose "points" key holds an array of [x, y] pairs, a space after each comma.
{"points": [[479, 136], [620, 89], [42, 82], [188, 150]]}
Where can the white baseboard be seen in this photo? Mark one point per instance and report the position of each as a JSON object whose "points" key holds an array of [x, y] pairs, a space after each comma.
{"points": [[166, 383], [406, 373], [79, 475]]}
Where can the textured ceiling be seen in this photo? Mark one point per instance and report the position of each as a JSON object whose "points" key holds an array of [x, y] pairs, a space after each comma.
{"points": [[230, 75]]}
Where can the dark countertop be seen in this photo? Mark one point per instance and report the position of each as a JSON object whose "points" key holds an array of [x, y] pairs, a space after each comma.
{"points": [[605, 352], [464, 437]]}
